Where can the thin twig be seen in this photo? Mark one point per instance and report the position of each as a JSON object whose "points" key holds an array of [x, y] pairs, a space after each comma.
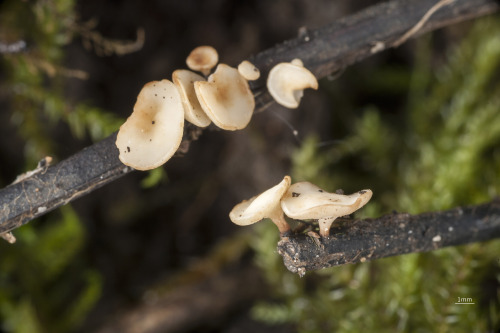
{"points": [[421, 23]]}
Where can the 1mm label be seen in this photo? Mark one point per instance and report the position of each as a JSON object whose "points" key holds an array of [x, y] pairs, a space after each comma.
{"points": [[465, 300]]}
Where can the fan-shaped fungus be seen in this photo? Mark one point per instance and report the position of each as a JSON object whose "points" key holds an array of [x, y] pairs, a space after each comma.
{"points": [[153, 132], [264, 205], [193, 112], [286, 82], [226, 98], [202, 59], [248, 70], [307, 201]]}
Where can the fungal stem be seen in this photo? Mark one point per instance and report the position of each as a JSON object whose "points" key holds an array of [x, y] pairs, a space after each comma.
{"points": [[325, 225], [279, 219]]}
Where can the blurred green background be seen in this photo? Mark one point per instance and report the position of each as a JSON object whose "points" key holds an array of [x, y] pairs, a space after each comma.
{"points": [[419, 125]]}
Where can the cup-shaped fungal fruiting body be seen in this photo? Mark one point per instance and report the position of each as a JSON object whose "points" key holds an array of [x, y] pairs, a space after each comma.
{"points": [[193, 112], [202, 59], [226, 98], [287, 80], [248, 70], [306, 201], [264, 205], [153, 132]]}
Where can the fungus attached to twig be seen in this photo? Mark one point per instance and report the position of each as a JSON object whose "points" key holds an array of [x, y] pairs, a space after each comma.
{"points": [[286, 82], [202, 59], [307, 201], [264, 205], [193, 112], [153, 132], [248, 70], [226, 98]]}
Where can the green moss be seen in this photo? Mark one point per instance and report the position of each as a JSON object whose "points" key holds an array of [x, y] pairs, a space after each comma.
{"points": [[36, 78], [43, 287], [44, 284]]}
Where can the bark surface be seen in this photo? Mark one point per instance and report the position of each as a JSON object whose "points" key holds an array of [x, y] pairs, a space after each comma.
{"points": [[361, 240]]}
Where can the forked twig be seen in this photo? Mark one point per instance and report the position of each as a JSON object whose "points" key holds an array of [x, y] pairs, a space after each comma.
{"points": [[323, 51]]}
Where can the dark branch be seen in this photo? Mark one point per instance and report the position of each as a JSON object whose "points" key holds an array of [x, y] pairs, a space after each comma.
{"points": [[53, 186], [323, 51], [390, 235]]}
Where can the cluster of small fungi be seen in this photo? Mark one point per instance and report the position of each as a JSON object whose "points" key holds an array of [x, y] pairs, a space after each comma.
{"points": [[153, 132], [302, 201]]}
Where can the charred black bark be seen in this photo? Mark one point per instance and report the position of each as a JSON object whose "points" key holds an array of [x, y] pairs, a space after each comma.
{"points": [[361, 240]]}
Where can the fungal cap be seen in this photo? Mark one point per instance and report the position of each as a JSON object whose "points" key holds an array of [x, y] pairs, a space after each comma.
{"points": [[193, 112], [264, 205], [226, 98], [286, 82], [307, 201], [248, 70], [153, 132], [297, 62], [202, 59]]}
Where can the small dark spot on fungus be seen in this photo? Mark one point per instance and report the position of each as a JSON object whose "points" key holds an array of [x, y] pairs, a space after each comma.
{"points": [[295, 195], [163, 97], [150, 140], [362, 192], [320, 191], [128, 149], [156, 94], [153, 122]]}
